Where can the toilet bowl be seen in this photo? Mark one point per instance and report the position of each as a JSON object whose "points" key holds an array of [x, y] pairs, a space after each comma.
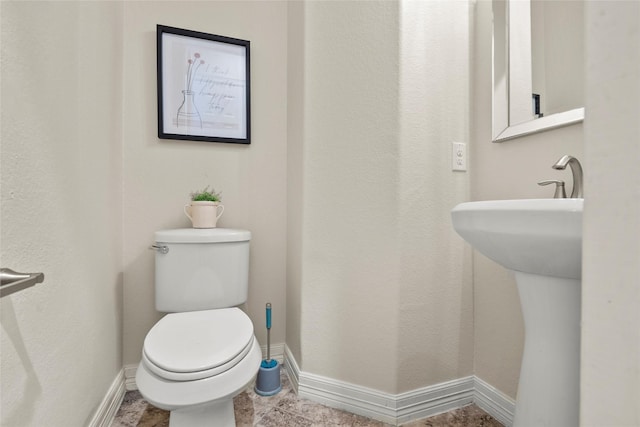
{"points": [[194, 363]]}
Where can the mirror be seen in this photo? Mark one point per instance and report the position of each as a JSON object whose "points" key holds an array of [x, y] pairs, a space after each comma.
{"points": [[538, 66]]}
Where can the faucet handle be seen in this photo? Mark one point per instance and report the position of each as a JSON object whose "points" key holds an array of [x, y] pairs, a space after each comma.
{"points": [[559, 193]]}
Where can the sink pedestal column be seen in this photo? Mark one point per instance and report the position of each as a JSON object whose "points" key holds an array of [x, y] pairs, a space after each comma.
{"points": [[549, 386]]}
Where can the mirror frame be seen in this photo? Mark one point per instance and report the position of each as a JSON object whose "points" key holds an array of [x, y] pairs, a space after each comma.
{"points": [[507, 62]]}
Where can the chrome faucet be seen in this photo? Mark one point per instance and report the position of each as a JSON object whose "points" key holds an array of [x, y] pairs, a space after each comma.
{"points": [[576, 171]]}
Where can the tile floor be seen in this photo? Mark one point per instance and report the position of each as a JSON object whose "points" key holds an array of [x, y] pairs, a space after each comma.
{"points": [[286, 409]]}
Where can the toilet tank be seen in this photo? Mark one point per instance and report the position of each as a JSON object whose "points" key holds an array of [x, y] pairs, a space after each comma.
{"points": [[202, 269]]}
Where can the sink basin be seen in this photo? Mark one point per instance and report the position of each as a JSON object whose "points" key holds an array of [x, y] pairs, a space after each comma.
{"points": [[540, 240], [538, 236]]}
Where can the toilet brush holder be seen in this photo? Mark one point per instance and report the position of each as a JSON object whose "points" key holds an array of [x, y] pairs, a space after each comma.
{"points": [[268, 380]]}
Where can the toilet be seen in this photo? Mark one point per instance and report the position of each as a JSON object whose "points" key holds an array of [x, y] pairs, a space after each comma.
{"points": [[204, 351]]}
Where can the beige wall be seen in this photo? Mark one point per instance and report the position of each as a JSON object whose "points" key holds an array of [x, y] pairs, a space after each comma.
{"points": [[295, 168], [61, 173], [350, 253], [160, 174], [347, 197], [435, 311], [383, 283], [610, 369], [509, 170], [83, 119]]}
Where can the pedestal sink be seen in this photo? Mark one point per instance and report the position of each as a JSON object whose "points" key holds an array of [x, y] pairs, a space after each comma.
{"points": [[540, 240]]}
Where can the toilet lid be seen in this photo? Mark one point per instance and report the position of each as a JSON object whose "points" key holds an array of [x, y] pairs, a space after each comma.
{"points": [[198, 344]]}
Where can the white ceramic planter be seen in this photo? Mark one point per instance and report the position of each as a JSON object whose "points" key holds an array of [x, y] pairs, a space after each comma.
{"points": [[204, 214]]}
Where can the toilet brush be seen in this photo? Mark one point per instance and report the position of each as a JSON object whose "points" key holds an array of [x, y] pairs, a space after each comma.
{"points": [[268, 380]]}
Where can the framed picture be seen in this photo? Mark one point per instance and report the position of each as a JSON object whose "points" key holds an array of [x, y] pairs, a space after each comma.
{"points": [[203, 87]]}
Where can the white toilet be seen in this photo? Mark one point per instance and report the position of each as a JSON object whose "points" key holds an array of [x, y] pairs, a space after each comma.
{"points": [[204, 352]]}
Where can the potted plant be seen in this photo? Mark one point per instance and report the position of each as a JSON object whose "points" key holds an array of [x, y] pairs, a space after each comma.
{"points": [[205, 208]]}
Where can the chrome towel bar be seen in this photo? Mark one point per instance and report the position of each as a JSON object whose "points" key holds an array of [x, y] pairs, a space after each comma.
{"points": [[12, 281]]}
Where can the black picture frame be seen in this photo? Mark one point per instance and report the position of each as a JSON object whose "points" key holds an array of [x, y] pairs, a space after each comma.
{"points": [[204, 90]]}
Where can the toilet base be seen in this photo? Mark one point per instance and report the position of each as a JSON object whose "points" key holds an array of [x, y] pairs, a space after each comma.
{"points": [[220, 413], [200, 403]]}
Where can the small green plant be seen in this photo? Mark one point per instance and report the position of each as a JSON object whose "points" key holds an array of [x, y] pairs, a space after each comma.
{"points": [[205, 195]]}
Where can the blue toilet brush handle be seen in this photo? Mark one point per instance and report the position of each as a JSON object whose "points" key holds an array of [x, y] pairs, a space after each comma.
{"points": [[268, 332], [268, 315]]}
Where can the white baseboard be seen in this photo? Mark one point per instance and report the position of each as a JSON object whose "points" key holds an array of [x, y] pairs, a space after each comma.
{"points": [[404, 407], [292, 368], [108, 408], [493, 401], [435, 399], [130, 376], [390, 408]]}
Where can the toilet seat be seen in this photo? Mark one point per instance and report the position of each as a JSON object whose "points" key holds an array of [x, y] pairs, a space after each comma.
{"points": [[198, 344]]}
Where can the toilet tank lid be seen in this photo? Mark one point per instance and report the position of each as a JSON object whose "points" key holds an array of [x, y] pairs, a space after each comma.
{"points": [[202, 235]]}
